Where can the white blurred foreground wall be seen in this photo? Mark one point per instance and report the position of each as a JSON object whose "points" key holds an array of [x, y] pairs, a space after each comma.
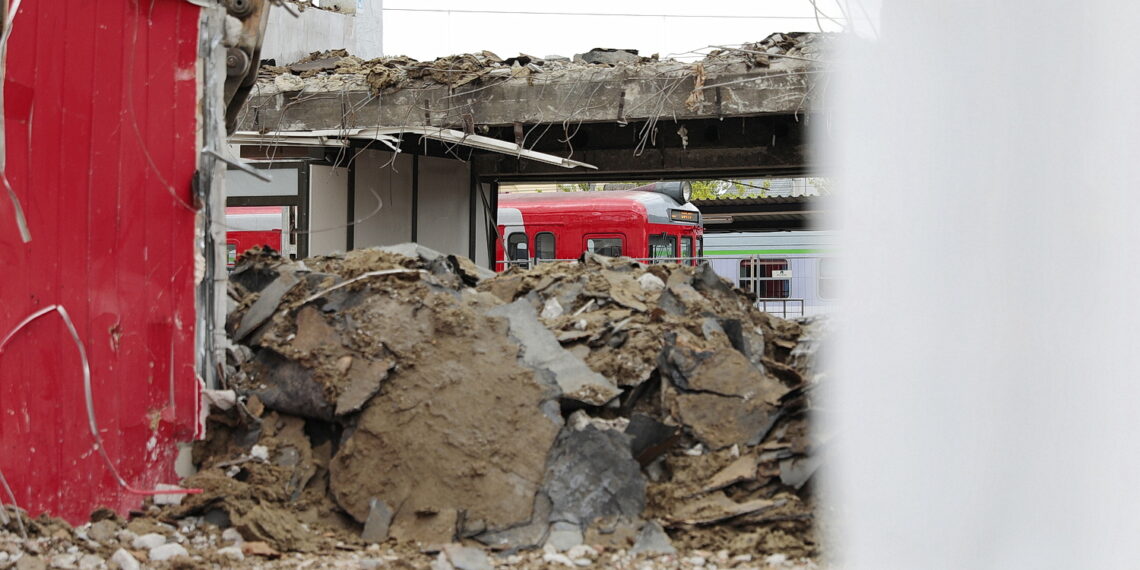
{"points": [[989, 376]]}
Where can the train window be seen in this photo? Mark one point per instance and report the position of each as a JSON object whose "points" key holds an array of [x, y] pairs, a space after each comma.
{"points": [[663, 245], [516, 247], [828, 278], [767, 278], [687, 248], [610, 247], [544, 245]]}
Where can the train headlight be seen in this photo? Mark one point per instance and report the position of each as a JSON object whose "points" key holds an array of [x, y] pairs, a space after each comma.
{"points": [[686, 191]]}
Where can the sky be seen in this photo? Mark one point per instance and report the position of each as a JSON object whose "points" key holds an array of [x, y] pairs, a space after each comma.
{"points": [[426, 29]]}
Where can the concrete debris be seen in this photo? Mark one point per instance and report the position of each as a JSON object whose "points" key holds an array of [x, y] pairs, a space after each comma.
{"points": [[542, 352], [148, 541], [653, 540], [564, 536], [592, 474], [125, 560], [466, 558], [167, 551], [376, 526], [608, 56], [336, 70], [400, 396]]}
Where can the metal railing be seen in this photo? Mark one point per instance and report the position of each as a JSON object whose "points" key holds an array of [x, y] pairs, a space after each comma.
{"points": [[783, 313]]}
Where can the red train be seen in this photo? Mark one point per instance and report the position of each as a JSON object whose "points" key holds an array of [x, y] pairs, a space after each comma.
{"points": [[247, 226], [652, 222]]}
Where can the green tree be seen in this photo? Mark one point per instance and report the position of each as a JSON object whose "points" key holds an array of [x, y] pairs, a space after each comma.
{"points": [[715, 189]]}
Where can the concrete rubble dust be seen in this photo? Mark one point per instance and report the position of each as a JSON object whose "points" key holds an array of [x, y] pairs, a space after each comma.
{"points": [[409, 408], [337, 70]]}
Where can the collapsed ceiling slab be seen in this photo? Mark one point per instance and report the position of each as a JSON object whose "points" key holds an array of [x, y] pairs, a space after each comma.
{"points": [[738, 110]]}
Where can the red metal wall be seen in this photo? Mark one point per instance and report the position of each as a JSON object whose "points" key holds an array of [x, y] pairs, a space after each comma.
{"points": [[101, 117]]}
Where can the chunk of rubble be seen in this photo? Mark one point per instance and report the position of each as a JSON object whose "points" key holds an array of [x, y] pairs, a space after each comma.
{"points": [[591, 474], [430, 397], [462, 428], [541, 351], [653, 541]]}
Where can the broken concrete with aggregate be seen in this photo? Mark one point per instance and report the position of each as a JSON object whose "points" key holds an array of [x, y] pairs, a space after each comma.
{"points": [[600, 412]]}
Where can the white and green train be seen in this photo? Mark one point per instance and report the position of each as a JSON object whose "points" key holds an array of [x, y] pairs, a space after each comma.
{"points": [[792, 274]]}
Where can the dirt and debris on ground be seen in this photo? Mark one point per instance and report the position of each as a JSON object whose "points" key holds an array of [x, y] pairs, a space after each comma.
{"points": [[400, 407], [337, 70]]}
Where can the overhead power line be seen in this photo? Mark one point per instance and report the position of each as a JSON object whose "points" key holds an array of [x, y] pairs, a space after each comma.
{"points": [[613, 14]]}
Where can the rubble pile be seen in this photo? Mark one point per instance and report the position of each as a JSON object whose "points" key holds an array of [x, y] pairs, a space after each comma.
{"points": [[396, 404], [397, 393], [336, 70]]}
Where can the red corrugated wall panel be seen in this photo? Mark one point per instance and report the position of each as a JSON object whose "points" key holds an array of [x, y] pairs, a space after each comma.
{"points": [[101, 118]]}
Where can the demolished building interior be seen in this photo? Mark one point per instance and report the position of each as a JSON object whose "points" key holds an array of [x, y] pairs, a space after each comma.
{"points": [[598, 412]]}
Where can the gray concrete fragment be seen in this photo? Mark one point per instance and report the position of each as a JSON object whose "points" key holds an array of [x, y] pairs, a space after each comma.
{"points": [[707, 281], [466, 558], [103, 531], [265, 306], [291, 388], [526, 536], [379, 519], [592, 474], [148, 541], [650, 438], [125, 560], [564, 536], [608, 56], [167, 551], [652, 540], [650, 282], [797, 471], [542, 351]]}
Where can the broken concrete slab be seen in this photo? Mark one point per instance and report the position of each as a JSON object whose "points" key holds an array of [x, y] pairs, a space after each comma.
{"points": [[313, 331], [743, 469], [592, 474], [563, 536], [608, 56], [653, 541], [530, 534], [377, 525], [720, 421], [649, 438], [797, 471], [542, 351], [266, 305], [694, 365], [364, 378], [466, 558], [289, 387], [461, 426]]}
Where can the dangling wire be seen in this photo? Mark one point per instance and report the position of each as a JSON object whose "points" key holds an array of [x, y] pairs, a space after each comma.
{"points": [[92, 424]]}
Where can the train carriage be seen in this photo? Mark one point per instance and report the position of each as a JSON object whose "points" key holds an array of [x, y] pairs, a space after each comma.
{"points": [[791, 273], [652, 223]]}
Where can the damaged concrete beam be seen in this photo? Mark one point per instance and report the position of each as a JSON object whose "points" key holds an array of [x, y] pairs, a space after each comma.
{"points": [[613, 96]]}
